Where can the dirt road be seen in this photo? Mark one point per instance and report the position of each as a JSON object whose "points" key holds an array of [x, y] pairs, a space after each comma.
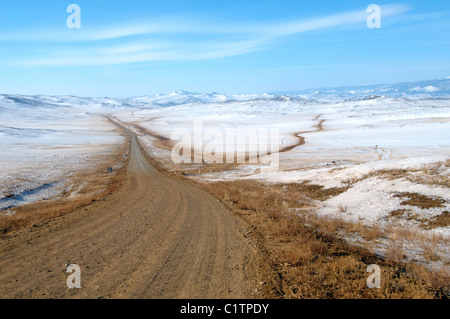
{"points": [[156, 238]]}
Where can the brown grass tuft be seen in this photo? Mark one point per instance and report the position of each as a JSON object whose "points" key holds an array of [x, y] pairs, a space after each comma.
{"points": [[421, 201], [442, 220]]}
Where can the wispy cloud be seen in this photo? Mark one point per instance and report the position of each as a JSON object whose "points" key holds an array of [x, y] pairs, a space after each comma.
{"points": [[166, 39], [144, 53]]}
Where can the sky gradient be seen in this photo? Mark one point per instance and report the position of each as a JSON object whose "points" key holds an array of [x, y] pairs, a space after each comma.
{"points": [[129, 48]]}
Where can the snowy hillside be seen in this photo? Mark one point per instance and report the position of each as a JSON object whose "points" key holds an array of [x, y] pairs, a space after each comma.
{"points": [[44, 140], [372, 153], [409, 90], [377, 145], [185, 97], [433, 89], [409, 121]]}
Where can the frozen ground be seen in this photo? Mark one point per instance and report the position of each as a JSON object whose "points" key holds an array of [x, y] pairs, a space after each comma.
{"points": [[357, 140], [378, 150], [43, 144]]}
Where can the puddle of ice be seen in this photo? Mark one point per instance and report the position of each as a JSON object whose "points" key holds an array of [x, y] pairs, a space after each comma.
{"points": [[26, 196]]}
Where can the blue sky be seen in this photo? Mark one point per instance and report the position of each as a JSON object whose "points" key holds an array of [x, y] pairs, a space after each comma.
{"points": [[137, 47]]}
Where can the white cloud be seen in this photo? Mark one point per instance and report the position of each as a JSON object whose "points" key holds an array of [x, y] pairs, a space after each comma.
{"points": [[150, 47], [428, 89], [136, 53], [335, 20], [177, 25]]}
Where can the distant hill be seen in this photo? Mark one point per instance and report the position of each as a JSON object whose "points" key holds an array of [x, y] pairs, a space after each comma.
{"points": [[409, 90], [434, 89]]}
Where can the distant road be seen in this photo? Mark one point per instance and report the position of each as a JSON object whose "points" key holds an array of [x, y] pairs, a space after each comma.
{"points": [[157, 237]]}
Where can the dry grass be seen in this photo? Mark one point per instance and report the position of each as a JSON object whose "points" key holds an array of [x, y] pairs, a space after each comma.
{"points": [[398, 213], [429, 175], [442, 220], [371, 233], [310, 259], [87, 187], [305, 252], [394, 251], [429, 251], [421, 201]]}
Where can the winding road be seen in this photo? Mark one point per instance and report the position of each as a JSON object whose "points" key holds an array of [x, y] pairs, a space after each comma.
{"points": [[157, 237]]}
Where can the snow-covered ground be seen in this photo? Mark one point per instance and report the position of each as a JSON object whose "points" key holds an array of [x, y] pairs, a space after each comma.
{"points": [[377, 149], [43, 142], [358, 139], [356, 145]]}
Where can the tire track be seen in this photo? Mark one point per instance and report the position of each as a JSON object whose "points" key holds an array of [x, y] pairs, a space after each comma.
{"points": [[156, 238]]}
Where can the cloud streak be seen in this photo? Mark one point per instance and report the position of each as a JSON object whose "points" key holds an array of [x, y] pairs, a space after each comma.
{"points": [[173, 39]]}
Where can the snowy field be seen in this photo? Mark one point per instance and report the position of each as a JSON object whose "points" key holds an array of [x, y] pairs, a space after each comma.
{"points": [[44, 141], [356, 141], [379, 151]]}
